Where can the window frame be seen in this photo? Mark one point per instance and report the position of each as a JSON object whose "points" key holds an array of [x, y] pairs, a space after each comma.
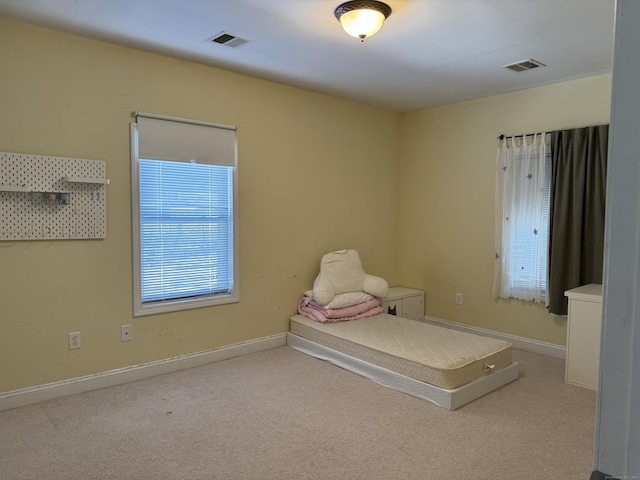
{"points": [[141, 308]]}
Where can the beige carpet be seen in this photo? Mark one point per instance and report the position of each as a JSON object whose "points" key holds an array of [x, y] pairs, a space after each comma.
{"points": [[280, 414]]}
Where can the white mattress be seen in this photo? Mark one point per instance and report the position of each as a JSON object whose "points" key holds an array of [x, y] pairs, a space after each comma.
{"points": [[436, 355]]}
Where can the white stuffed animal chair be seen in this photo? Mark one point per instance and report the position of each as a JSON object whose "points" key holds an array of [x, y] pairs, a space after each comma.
{"points": [[340, 273]]}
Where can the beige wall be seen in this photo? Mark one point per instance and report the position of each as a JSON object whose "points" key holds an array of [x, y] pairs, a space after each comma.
{"points": [[312, 178], [446, 203]]}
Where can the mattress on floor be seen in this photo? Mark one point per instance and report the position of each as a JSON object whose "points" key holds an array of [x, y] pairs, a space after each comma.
{"points": [[436, 355]]}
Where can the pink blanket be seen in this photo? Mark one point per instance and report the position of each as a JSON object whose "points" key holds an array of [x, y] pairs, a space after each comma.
{"points": [[313, 310]]}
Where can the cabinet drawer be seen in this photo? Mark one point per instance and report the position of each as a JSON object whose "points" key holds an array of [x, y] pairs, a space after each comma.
{"points": [[404, 302]]}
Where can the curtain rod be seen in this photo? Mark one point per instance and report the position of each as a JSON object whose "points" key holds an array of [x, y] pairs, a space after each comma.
{"points": [[502, 136], [183, 120]]}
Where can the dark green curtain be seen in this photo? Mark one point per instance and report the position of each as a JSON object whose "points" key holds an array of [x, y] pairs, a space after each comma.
{"points": [[576, 211]]}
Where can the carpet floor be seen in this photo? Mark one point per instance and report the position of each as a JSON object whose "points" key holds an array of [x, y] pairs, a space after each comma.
{"points": [[279, 414]]}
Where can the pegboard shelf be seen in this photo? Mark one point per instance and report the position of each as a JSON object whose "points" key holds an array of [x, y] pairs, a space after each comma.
{"points": [[101, 181], [65, 197], [15, 188]]}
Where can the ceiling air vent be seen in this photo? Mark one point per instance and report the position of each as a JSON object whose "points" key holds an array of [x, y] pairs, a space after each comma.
{"points": [[524, 65], [229, 39]]}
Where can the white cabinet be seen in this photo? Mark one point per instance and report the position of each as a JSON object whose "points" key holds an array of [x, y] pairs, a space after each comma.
{"points": [[583, 335], [405, 302]]}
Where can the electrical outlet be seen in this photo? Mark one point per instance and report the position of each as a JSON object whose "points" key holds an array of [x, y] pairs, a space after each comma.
{"points": [[458, 299], [74, 340], [125, 333]]}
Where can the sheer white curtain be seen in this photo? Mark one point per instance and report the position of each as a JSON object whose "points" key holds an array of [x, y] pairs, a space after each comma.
{"points": [[522, 189]]}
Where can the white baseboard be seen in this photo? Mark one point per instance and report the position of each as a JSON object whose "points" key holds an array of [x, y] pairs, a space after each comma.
{"points": [[543, 348], [30, 395]]}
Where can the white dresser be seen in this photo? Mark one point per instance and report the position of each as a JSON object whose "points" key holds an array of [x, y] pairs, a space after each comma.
{"points": [[407, 302], [584, 323]]}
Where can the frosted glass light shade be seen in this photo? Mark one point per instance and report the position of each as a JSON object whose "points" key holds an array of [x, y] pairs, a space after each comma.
{"points": [[362, 19], [362, 23]]}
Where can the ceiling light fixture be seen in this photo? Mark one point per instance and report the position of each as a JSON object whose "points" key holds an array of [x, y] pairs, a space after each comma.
{"points": [[362, 19]]}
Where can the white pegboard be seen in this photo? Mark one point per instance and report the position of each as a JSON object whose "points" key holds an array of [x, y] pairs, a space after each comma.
{"points": [[52, 198]]}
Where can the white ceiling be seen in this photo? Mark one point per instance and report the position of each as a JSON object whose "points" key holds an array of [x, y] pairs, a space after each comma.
{"points": [[429, 52]]}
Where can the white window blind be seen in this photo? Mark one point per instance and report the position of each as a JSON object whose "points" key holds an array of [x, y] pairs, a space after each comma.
{"points": [[185, 141], [529, 252], [184, 222]]}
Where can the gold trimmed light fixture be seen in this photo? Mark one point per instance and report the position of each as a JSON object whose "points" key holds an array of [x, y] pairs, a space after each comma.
{"points": [[361, 18]]}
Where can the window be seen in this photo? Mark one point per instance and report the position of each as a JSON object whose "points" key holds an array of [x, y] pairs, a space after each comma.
{"points": [[184, 216], [523, 180]]}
